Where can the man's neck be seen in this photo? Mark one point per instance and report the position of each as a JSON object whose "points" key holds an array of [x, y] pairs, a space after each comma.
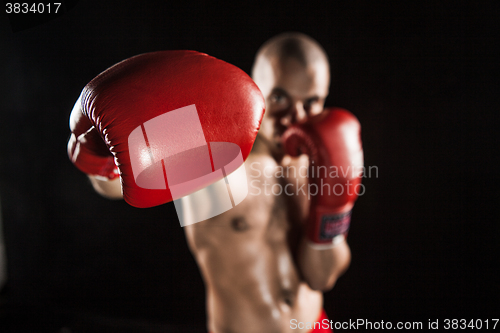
{"points": [[264, 146]]}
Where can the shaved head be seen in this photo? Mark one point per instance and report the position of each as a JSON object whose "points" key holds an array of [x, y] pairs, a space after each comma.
{"points": [[293, 73], [284, 48]]}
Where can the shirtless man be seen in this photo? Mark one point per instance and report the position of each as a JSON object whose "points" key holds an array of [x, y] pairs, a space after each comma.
{"points": [[262, 270]]}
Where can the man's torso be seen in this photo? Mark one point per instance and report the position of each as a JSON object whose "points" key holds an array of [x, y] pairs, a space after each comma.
{"points": [[246, 256]]}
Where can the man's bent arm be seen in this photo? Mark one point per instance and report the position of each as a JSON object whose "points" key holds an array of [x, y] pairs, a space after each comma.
{"points": [[322, 267]]}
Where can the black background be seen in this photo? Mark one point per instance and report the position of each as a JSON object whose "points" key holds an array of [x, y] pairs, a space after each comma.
{"points": [[423, 79]]}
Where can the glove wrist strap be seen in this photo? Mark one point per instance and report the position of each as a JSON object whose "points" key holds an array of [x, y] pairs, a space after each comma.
{"points": [[326, 227], [325, 246]]}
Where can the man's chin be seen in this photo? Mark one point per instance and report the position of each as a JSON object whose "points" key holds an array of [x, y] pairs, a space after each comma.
{"points": [[277, 143], [273, 144], [276, 140]]}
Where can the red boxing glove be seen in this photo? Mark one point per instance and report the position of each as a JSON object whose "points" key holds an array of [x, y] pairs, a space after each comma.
{"points": [[333, 143], [88, 151], [169, 123]]}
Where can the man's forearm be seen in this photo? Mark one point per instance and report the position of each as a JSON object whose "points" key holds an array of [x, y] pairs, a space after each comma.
{"points": [[322, 267], [109, 188]]}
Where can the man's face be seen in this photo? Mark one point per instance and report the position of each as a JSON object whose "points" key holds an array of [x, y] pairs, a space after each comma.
{"points": [[293, 93]]}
